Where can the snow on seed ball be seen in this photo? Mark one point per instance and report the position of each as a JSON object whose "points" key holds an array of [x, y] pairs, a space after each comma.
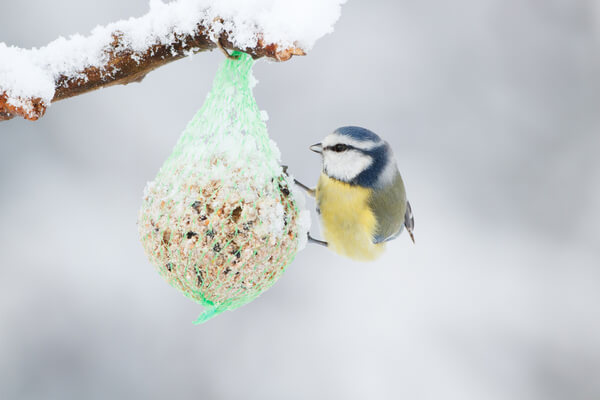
{"points": [[221, 240]]}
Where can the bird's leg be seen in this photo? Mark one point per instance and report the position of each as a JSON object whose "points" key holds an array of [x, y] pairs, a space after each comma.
{"points": [[315, 241], [308, 190]]}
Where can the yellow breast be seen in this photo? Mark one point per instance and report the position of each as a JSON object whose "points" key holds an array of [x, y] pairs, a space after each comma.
{"points": [[348, 223]]}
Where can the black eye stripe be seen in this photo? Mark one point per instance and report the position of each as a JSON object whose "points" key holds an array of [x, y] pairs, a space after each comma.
{"points": [[338, 148]]}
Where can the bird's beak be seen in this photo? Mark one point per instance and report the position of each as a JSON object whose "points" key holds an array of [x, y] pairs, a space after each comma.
{"points": [[317, 148]]}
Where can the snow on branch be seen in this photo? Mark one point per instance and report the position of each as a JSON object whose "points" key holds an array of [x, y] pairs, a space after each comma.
{"points": [[125, 51]]}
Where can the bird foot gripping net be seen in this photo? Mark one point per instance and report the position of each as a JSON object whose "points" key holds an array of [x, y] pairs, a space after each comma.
{"points": [[221, 221]]}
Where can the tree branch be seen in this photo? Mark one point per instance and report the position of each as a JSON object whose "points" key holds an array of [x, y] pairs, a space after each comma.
{"points": [[124, 66]]}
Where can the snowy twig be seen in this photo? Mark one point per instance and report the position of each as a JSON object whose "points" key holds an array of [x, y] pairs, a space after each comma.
{"points": [[125, 51], [123, 65]]}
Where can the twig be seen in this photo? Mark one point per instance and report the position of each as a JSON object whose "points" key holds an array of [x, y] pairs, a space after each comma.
{"points": [[124, 66]]}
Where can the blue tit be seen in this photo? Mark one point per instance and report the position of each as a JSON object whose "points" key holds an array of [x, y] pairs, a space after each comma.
{"points": [[360, 196]]}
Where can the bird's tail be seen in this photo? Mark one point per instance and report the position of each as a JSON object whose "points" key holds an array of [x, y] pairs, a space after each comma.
{"points": [[409, 221]]}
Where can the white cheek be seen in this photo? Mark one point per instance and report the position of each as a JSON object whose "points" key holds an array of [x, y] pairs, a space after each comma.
{"points": [[388, 174], [345, 166]]}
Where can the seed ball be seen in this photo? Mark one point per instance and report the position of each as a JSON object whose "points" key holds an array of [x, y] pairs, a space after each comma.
{"points": [[220, 240]]}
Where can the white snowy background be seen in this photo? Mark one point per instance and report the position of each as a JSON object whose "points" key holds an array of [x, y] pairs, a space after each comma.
{"points": [[492, 109]]}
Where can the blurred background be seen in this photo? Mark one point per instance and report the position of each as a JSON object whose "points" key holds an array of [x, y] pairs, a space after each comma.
{"points": [[491, 107]]}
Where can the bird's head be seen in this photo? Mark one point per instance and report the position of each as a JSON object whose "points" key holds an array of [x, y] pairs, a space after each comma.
{"points": [[357, 156]]}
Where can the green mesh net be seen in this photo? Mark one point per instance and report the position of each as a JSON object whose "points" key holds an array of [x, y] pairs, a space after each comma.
{"points": [[221, 221]]}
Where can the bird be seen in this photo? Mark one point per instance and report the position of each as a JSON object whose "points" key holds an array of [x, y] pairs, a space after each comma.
{"points": [[360, 196]]}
